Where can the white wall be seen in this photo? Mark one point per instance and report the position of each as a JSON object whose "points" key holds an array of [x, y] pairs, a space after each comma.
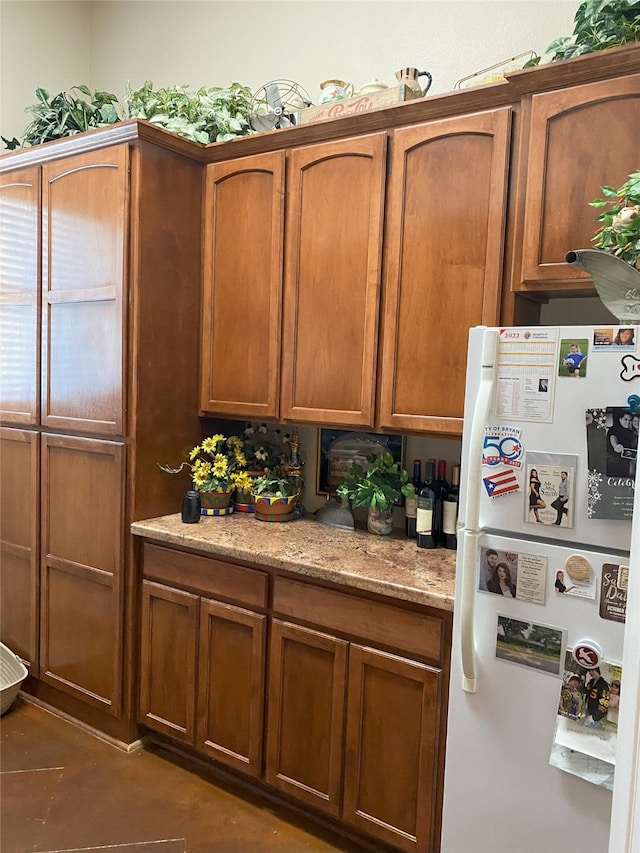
{"points": [[42, 44], [104, 44]]}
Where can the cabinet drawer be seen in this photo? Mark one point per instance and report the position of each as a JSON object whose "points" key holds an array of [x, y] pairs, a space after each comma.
{"points": [[384, 624], [206, 574]]}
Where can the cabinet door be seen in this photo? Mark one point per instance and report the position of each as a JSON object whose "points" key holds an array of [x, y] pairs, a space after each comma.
{"points": [[580, 139], [19, 516], [231, 685], [394, 751], [307, 673], [84, 221], [335, 196], [242, 294], [444, 250], [168, 651], [19, 295], [81, 568]]}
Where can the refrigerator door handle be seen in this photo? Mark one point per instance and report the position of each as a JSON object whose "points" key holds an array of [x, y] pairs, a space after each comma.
{"points": [[472, 510]]}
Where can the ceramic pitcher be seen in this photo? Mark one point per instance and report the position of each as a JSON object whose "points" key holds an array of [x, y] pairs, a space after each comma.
{"points": [[335, 90], [372, 86], [409, 76]]}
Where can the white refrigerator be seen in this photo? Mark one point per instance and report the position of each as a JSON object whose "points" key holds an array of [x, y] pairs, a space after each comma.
{"points": [[543, 706]]}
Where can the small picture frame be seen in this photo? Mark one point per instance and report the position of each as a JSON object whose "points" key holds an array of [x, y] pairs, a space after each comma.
{"points": [[338, 448]]}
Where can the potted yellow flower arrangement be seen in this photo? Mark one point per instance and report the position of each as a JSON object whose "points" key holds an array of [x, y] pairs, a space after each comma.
{"points": [[217, 468]]}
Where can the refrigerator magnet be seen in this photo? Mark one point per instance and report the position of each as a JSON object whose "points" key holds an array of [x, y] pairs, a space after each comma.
{"points": [[576, 578], [550, 492], [613, 338], [501, 483], [612, 446], [540, 647], [613, 592], [573, 358]]}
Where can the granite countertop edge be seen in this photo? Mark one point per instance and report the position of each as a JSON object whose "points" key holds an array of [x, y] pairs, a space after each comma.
{"points": [[392, 566]]}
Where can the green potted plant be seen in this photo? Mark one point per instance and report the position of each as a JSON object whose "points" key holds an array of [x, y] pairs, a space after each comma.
{"points": [[598, 25], [275, 493], [378, 487], [619, 233], [217, 468], [66, 114], [205, 115]]}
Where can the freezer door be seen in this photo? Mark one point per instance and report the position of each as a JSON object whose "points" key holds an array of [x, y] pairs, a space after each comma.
{"points": [[545, 420]]}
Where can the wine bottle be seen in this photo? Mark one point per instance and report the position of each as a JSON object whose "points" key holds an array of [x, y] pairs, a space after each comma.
{"points": [[450, 510], [426, 507], [440, 487], [411, 502]]}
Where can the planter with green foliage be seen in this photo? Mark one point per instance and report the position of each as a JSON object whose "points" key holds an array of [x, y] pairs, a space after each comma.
{"points": [[204, 116], [377, 487], [619, 233], [65, 114], [598, 25]]}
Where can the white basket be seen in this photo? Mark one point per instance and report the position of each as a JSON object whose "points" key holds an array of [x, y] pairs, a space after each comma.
{"points": [[12, 673]]}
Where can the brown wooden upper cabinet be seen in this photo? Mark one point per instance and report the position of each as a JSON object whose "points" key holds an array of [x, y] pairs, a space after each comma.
{"points": [[242, 294], [20, 294], [335, 199], [579, 139], [84, 222], [444, 238], [327, 314]]}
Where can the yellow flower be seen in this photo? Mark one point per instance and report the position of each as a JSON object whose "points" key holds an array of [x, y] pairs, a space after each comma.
{"points": [[241, 459], [209, 445], [242, 481], [220, 465], [193, 454]]}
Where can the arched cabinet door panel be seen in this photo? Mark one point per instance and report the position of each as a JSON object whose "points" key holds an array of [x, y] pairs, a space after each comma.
{"points": [[335, 201], [19, 295], [444, 239], [84, 225], [242, 293], [579, 139]]}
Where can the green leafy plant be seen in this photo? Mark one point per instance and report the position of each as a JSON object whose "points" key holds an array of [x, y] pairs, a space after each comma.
{"points": [[65, 115], [619, 233], [598, 25], [206, 115], [276, 482], [379, 485]]}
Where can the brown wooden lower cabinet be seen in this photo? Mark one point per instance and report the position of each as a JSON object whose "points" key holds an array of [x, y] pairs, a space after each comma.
{"points": [[353, 731], [203, 660], [81, 563], [231, 685], [19, 519], [394, 709], [307, 672], [168, 649]]}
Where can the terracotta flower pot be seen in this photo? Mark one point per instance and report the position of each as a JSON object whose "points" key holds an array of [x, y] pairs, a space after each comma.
{"points": [[269, 508], [216, 503], [243, 501]]}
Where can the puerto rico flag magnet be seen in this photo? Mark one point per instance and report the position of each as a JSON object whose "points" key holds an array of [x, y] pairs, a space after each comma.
{"points": [[501, 483]]}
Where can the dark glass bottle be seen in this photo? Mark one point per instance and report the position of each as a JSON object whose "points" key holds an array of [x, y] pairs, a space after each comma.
{"points": [[426, 509], [440, 487], [450, 510], [191, 506], [411, 503]]}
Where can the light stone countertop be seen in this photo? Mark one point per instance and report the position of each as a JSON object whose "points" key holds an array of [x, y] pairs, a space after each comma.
{"points": [[388, 565]]}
